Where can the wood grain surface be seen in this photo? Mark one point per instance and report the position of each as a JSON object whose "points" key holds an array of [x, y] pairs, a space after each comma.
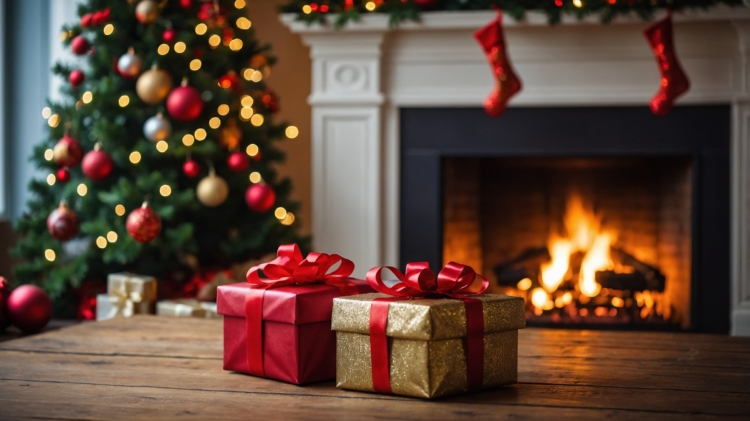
{"points": [[158, 368]]}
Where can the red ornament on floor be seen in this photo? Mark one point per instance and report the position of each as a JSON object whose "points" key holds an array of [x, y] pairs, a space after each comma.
{"points": [[191, 169], [79, 45], [68, 151], [29, 308], [76, 78], [260, 197], [4, 293], [62, 223], [507, 84], [169, 36], [97, 164], [238, 161], [674, 81], [63, 175], [184, 103], [143, 224]]}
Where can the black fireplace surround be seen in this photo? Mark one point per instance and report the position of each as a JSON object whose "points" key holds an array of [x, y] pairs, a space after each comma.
{"points": [[701, 133]]}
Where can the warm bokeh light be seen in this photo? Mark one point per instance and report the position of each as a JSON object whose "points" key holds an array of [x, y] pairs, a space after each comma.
{"points": [[51, 179], [244, 23], [87, 97], [162, 146], [111, 236], [195, 64], [54, 120], [255, 177], [82, 189], [46, 112], [524, 284], [539, 297], [306, 9], [200, 134], [256, 77], [235, 44], [108, 29], [120, 210], [247, 101], [214, 123], [201, 28], [370, 6], [49, 254], [252, 149], [239, 4], [618, 302], [280, 213], [257, 120], [101, 242], [246, 113], [180, 47], [292, 132], [288, 219], [124, 101], [214, 40], [163, 49], [188, 140], [49, 154], [135, 157], [165, 190], [223, 109], [577, 3]]}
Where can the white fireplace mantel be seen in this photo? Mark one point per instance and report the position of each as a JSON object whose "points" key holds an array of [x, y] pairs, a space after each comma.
{"points": [[363, 74]]}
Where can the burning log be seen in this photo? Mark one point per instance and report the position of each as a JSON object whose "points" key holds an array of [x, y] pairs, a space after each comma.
{"points": [[524, 265], [635, 281]]}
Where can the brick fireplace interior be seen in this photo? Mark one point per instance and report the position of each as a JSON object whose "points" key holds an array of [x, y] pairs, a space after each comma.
{"points": [[599, 217]]}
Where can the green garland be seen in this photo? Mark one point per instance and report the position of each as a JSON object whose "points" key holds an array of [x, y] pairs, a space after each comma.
{"points": [[317, 11]]}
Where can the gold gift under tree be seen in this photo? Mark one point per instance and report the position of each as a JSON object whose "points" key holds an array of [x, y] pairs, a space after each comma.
{"points": [[426, 343]]}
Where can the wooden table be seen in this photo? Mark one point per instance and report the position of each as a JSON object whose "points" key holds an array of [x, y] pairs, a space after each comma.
{"points": [[167, 368]]}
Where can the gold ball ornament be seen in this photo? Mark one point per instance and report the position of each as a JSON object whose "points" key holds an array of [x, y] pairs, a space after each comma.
{"points": [[147, 11], [212, 191], [153, 85]]}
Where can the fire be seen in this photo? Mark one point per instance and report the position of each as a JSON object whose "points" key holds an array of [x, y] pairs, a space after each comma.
{"points": [[585, 235]]}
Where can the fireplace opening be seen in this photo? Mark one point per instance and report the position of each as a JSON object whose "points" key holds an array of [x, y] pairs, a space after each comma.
{"points": [[585, 241]]}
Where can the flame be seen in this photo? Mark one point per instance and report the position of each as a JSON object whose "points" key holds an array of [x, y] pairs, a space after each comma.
{"points": [[596, 259], [553, 273]]}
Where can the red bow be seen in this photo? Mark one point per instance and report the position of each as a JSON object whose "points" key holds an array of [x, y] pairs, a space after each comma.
{"points": [[454, 280], [288, 268]]}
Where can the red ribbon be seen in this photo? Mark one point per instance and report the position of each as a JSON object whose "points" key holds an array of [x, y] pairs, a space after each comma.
{"points": [[289, 268], [454, 281]]}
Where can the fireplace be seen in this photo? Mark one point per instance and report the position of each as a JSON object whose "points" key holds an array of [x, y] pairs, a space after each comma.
{"points": [[599, 217]]}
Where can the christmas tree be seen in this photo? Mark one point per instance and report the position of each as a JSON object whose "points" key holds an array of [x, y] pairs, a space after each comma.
{"points": [[160, 157]]}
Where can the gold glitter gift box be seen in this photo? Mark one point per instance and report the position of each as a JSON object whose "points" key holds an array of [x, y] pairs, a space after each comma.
{"points": [[426, 343]]}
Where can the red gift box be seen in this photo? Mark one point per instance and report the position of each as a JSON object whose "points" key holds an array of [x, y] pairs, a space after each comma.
{"points": [[293, 340]]}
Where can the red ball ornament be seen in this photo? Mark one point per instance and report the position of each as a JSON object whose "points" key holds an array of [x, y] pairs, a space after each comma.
{"points": [[186, 4], [87, 20], [100, 17], [97, 164], [62, 223], [63, 175], [210, 11], [29, 308], [67, 151], [76, 78], [169, 36], [143, 224], [79, 45], [4, 293], [191, 169], [426, 4], [270, 100], [238, 161], [231, 81], [184, 103], [260, 197]]}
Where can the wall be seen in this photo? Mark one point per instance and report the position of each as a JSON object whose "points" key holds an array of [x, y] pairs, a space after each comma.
{"points": [[290, 79]]}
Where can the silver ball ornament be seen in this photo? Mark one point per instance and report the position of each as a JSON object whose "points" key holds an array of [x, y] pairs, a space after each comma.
{"points": [[130, 64], [157, 128]]}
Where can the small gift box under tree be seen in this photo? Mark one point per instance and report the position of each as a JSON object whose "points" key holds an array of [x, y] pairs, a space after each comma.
{"points": [[127, 294], [187, 307], [427, 336]]}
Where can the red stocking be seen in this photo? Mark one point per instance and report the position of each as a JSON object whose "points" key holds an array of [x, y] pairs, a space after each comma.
{"points": [[674, 82], [493, 41]]}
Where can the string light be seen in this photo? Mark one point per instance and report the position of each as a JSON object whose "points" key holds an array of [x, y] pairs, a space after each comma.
{"points": [[223, 109], [124, 101], [201, 28], [235, 44], [165, 190], [163, 49], [577, 3], [188, 140], [51, 179], [370, 6], [101, 242], [288, 219], [306, 9], [214, 123], [246, 113], [135, 157], [120, 210], [214, 40], [54, 120], [111, 236], [291, 132], [239, 4], [180, 47], [200, 134], [248, 73], [244, 23], [49, 154], [63, 36], [195, 64], [247, 101], [108, 29], [87, 97], [255, 177], [252, 149], [162, 146], [46, 112], [256, 77], [257, 120], [82, 190], [49, 254], [280, 213]]}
